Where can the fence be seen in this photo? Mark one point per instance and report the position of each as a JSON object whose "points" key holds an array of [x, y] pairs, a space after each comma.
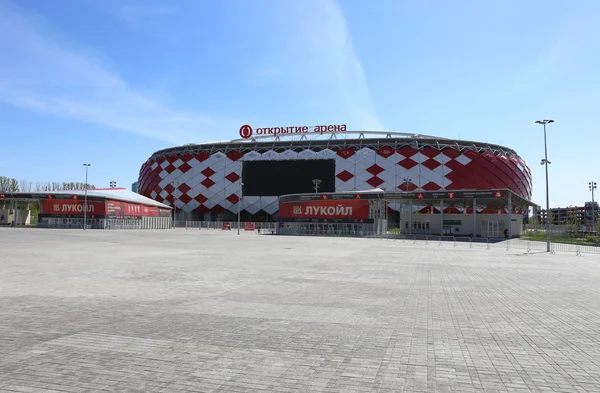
{"points": [[260, 227], [528, 246], [105, 223]]}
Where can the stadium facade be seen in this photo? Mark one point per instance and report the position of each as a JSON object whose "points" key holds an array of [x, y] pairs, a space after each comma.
{"points": [[207, 181]]}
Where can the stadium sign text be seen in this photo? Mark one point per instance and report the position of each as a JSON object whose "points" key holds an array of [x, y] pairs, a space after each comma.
{"points": [[329, 209], [246, 131]]}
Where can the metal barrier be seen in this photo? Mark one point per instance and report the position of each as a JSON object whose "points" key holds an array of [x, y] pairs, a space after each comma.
{"points": [[259, 227]]}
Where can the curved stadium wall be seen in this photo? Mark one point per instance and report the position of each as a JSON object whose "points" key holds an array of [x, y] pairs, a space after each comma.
{"points": [[206, 180]]}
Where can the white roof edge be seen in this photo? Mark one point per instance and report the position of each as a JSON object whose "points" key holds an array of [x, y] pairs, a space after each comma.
{"points": [[122, 195]]}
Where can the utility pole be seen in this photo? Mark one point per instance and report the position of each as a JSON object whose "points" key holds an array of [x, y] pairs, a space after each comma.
{"points": [[546, 162], [592, 188], [85, 197]]}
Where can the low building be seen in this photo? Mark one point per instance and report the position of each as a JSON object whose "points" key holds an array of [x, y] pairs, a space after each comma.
{"points": [[101, 209], [470, 213]]}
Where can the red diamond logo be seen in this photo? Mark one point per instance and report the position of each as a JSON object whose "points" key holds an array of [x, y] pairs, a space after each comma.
{"points": [[232, 177], [169, 188], [184, 188], [207, 183], [344, 176], [186, 157], [170, 168], [431, 163], [201, 198], [184, 167], [235, 155], [385, 151], [407, 163], [345, 152], [208, 172], [431, 186], [202, 156], [233, 198], [451, 153], [430, 152], [375, 181], [375, 170], [407, 151], [185, 198], [218, 209]]}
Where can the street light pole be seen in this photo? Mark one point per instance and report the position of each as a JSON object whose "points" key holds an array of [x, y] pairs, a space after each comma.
{"points": [[592, 188], [175, 184], [240, 208], [409, 209], [85, 197], [317, 183], [546, 162]]}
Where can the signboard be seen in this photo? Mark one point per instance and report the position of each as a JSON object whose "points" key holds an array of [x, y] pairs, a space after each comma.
{"points": [[421, 195], [325, 209], [249, 226], [246, 131], [452, 222], [71, 207], [118, 208], [330, 220]]}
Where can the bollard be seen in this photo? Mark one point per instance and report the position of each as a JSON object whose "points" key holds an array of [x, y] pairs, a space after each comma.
{"points": [[415, 239], [426, 239], [578, 250], [440, 241], [528, 247], [471, 242], [551, 248], [403, 238], [488, 243], [454, 241], [508, 245]]}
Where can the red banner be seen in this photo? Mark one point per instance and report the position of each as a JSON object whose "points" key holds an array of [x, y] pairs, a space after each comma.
{"points": [[117, 208], [325, 209], [110, 208], [71, 207]]}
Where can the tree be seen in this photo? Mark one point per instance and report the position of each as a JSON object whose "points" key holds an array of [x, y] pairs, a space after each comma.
{"points": [[8, 185], [25, 186]]}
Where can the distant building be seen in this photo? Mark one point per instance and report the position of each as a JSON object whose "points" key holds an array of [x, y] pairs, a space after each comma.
{"points": [[560, 215], [135, 187]]}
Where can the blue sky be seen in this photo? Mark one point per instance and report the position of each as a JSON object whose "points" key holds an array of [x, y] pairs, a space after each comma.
{"points": [[110, 82]]}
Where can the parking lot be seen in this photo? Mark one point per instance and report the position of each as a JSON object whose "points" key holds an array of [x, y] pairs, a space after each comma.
{"points": [[210, 311]]}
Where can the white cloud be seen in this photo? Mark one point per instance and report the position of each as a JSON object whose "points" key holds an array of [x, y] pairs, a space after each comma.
{"points": [[314, 58], [40, 74]]}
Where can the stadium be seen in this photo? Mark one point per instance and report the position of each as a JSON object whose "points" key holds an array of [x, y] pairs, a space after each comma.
{"points": [[214, 181]]}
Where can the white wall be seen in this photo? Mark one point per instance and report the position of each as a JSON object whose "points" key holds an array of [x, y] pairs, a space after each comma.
{"points": [[23, 216], [494, 222]]}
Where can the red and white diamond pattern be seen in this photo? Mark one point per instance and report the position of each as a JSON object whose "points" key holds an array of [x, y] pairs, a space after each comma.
{"points": [[211, 182]]}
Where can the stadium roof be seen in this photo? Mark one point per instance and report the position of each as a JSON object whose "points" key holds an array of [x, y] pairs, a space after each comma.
{"points": [[354, 139], [116, 194]]}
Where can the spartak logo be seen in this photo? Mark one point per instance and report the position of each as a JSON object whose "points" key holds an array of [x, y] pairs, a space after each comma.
{"points": [[245, 131]]}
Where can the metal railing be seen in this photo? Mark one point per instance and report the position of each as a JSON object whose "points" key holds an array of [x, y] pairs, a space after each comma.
{"points": [[517, 244], [258, 227]]}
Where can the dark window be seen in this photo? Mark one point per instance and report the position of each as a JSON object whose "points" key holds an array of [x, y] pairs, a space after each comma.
{"points": [[276, 178]]}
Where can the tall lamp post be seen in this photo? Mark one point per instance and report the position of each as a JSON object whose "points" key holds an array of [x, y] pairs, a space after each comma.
{"points": [[175, 184], [85, 197], [316, 183], [592, 188], [546, 162], [240, 208], [409, 209]]}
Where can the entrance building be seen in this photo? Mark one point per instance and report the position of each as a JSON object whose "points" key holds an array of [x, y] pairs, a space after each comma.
{"points": [[487, 214]]}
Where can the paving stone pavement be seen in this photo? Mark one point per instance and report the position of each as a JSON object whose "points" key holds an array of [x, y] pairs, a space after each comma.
{"points": [[210, 311]]}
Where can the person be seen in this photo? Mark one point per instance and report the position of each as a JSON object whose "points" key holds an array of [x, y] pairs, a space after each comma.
{"points": [[506, 233]]}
